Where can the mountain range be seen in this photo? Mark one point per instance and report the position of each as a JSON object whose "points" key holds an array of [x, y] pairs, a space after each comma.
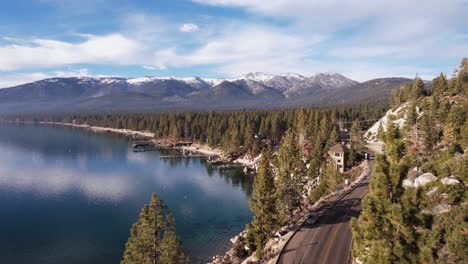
{"points": [[251, 91]]}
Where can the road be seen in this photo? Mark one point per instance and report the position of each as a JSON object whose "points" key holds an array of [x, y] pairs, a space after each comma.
{"points": [[328, 240]]}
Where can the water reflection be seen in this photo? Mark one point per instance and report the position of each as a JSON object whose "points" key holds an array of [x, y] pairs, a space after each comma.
{"points": [[85, 190]]}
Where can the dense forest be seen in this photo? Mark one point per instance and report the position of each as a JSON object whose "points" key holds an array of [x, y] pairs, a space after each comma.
{"points": [[402, 222], [244, 131]]}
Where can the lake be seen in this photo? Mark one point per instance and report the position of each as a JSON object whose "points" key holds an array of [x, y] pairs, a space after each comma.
{"points": [[70, 196]]}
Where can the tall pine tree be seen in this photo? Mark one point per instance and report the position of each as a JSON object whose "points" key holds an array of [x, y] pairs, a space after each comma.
{"points": [[153, 238], [263, 204], [288, 184]]}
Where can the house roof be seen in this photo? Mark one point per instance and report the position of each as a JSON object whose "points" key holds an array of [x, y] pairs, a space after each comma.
{"points": [[338, 148]]}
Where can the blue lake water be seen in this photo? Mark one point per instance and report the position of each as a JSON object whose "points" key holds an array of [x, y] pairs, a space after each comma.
{"points": [[71, 196]]}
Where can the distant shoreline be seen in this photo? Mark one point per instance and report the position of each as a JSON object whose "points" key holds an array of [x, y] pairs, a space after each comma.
{"points": [[195, 147]]}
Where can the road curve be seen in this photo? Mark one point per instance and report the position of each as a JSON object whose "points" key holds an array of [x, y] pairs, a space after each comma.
{"points": [[329, 239]]}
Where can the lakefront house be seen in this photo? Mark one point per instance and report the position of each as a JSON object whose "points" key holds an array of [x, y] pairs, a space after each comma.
{"points": [[339, 155]]}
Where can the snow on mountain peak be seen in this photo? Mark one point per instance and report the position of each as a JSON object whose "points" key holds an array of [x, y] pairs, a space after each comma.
{"points": [[294, 75], [140, 80], [257, 76], [265, 77]]}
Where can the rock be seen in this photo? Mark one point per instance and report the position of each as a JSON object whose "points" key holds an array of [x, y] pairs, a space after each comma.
{"points": [[449, 181], [234, 239], [442, 208], [407, 183], [432, 191], [424, 179], [411, 177]]}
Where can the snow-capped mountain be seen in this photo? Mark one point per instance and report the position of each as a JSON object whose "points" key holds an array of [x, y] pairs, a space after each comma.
{"points": [[253, 90], [318, 83]]}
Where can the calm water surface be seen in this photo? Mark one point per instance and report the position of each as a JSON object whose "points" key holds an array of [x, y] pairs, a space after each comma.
{"points": [[71, 196]]}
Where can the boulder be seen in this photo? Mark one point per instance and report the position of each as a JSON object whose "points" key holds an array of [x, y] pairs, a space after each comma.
{"points": [[412, 175], [424, 179], [449, 181], [407, 183]]}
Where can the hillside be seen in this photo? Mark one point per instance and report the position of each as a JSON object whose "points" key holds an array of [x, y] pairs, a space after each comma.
{"points": [[253, 91], [416, 208]]}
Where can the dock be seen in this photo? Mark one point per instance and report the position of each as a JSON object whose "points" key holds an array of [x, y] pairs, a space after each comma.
{"points": [[179, 156]]}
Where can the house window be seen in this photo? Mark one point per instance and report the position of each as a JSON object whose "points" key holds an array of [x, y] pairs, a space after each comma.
{"points": [[337, 154], [338, 161], [339, 166]]}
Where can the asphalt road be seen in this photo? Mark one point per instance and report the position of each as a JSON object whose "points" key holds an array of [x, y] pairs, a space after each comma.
{"points": [[328, 240]]}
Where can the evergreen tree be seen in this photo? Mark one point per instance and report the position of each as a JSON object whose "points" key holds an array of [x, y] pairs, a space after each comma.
{"points": [[381, 234], [439, 85], [356, 141], [263, 204], [333, 138], [288, 184], [418, 89], [429, 126], [381, 133], [411, 116], [153, 237], [461, 84]]}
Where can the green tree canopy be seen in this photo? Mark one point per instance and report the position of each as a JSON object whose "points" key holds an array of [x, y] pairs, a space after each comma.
{"points": [[153, 237]]}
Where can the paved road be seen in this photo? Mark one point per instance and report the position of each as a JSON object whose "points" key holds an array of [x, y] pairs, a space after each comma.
{"points": [[329, 239]]}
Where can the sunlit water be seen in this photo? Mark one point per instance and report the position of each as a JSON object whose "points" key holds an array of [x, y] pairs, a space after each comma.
{"points": [[71, 196]]}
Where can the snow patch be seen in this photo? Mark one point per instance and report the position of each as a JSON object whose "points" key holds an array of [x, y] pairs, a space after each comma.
{"points": [[140, 80]]}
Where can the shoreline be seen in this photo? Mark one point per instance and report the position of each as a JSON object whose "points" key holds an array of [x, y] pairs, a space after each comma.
{"points": [[195, 147]]}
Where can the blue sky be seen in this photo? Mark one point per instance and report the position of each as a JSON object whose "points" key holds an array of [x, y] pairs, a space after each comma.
{"points": [[362, 39]]}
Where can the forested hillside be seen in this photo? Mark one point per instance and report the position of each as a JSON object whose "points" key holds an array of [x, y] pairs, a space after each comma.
{"points": [[416, 209]]}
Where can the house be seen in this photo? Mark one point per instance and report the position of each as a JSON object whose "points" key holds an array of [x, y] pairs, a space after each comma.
{"points": [[339, 154]]}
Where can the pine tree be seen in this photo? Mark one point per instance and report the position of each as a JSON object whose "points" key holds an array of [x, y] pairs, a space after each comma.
{"points": [[263, 204], [171, 251], [153, 237], [380, 233], [333, 138], [356, 141], [381, 133], [411, 116], [288, 184], [461, 84], [418, 88], [429, 127], [439, 85]]}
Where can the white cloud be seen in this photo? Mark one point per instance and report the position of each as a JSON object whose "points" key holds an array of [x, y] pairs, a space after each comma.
{"points": [[151, 68], [242, 49], [107, 49], [317, 36], [190, 27], [73, 73], [14, 79], [394, 35]]}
